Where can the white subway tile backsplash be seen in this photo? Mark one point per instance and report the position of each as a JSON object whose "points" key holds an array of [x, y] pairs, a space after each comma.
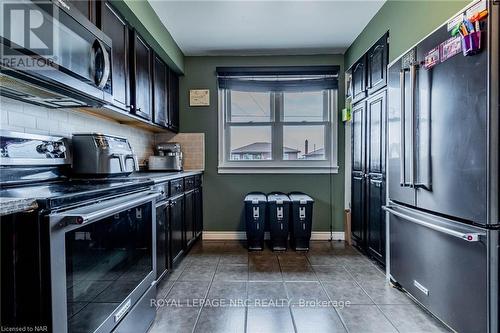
{"points": [[21, 117], [22, 120], [46, 125], [35, 111], [58, 115]]}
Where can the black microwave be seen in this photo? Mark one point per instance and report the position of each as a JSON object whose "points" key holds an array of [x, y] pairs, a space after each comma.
{"points": [[52, 55]]}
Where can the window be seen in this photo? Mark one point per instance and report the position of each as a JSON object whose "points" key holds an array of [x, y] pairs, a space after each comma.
{"points": [[279, 123]]}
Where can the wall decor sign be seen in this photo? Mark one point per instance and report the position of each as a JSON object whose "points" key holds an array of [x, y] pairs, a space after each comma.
{"points": [[199, 97]]}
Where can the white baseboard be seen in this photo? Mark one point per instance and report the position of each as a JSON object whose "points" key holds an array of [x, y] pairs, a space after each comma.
{"points": [[241, 235]]}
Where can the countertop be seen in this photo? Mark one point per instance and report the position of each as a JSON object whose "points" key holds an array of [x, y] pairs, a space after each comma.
{"points": [[163, 176], [16, 205]]}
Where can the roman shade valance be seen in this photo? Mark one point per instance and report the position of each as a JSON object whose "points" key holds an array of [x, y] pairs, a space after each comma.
{"points": [[283, 78]]}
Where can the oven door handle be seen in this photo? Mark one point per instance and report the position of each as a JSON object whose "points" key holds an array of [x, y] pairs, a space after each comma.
{"points": [[94, 212]]}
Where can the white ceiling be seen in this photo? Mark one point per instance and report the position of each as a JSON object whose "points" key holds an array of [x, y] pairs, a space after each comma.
{"points": [[264, 27]]}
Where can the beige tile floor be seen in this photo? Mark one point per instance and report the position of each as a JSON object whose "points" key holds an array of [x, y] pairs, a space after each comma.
{"points": [[220, 287]]}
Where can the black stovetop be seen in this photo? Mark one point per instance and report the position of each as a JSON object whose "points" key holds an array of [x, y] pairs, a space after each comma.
{"points": [[66, 192]]}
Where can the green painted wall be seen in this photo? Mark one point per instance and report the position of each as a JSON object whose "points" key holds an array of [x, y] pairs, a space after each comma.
{"points": [[407, 23], [223, 194], [142, 17]]}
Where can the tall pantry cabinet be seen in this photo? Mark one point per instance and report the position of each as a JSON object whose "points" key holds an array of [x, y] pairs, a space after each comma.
{"points": [[368, 176]]}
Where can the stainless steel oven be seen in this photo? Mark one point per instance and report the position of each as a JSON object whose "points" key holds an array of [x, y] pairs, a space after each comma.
{"points": [[67, 64], [102, 261]]}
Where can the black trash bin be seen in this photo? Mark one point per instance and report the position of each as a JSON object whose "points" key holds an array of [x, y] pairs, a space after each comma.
{"points": [[278, 205], [255, 216], [301, 220]]}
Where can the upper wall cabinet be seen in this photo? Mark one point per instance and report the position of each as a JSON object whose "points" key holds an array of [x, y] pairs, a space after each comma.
{"points": [[160, 92], [143, 84], [142, 96], [87, 7], [173, 104], [377, 65], [113, 25], [359, 80], [369, 73]]}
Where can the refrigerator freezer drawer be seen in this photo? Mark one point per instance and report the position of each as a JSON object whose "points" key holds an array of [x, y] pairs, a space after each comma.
{"points": [[437, 262]]}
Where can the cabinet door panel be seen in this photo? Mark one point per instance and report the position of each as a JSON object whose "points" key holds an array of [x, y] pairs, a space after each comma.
{"points": [[375, 119], [377, 65], [359, 80], [358, 208], [376, 217], [198, 208], [86, 7], [142, 78], [358, 137], [162, 238], [188, 219], [160, 92], [113, 25], [173, 105], [176, 227]]}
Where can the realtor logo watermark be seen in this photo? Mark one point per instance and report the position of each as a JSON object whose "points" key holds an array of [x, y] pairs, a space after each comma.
{"points": [[29, 34]]}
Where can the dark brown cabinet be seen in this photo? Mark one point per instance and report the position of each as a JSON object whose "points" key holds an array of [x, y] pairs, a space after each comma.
{"points": [[377, 66], [142, 78], [198, 211], [369, 73], [162, 238], [375, 157], [176, 227], [358, 174], [87, 7], [173, 104], [368, 186], [358, 80], [143, 84], [160, 92], [115, 27], [189, 235], [368, 175]]}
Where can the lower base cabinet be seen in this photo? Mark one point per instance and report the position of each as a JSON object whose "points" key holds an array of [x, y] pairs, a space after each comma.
{"points": [[162, 238], [188, 231], [198, 211], [176, 227], [179, 222]]}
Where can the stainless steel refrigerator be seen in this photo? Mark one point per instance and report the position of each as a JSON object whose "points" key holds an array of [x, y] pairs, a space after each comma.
{"points": [[443, 176]]}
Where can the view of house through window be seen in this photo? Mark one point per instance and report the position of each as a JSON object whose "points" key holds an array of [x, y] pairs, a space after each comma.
{"points": [[264, 124]]}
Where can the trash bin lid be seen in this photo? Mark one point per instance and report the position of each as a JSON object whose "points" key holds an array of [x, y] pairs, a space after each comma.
{"points": [[255, 197], [300, 197], [278, 197]]}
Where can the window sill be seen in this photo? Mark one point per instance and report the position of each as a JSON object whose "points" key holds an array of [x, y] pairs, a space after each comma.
{"points": [[277, 170]]}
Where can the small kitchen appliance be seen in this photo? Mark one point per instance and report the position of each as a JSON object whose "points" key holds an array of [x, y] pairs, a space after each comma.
{"points": [[168, 158], [102, 155]]}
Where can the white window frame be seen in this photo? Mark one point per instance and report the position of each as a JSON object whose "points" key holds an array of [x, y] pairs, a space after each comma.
{"points": [[278, 164]]}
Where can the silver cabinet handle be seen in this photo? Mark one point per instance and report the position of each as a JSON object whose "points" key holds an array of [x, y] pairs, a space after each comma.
{"points": [[469, 237], [91, 213]]}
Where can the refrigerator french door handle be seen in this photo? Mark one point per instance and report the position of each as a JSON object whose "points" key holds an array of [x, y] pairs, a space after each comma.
{"points": [[402, 157], [468, 237], [427, 184], [413, 81]]}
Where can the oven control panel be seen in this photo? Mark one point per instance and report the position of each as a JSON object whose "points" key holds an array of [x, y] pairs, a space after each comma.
{"points": [[28, 149]]}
